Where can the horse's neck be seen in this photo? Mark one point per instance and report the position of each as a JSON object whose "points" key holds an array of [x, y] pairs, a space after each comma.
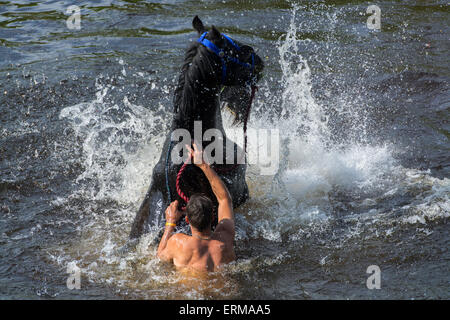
{"points": [[208, 112], [206, 109]]}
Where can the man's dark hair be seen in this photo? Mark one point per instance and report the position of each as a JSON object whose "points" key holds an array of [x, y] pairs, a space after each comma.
{"points": [[199, 211]]}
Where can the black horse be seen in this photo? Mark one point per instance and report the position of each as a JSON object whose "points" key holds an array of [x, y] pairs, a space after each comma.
{"points": [[213, 63]]}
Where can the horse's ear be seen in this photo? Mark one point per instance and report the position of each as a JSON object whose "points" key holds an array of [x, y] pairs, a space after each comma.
{"points": [[215, 34], [198, 25]]}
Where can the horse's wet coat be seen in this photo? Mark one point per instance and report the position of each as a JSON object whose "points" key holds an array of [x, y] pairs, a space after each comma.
{"points": [[197, 98]]}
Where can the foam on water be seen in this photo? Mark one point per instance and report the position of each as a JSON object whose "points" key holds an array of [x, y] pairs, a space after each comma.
{"points": [[121, 142]]}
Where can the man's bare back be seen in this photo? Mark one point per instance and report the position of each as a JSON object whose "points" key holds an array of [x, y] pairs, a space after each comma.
{"points": [[203, 255], [204, 250]]}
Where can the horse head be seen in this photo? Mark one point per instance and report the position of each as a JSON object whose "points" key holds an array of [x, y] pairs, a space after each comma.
{"points": [[239, 65]]}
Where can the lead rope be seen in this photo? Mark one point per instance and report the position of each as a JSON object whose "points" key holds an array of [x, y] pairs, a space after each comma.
{"points": [[183, 167], [169, 194]]}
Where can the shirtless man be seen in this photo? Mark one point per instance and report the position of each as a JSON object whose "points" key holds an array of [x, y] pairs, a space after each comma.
{"points": [[204, 250]]}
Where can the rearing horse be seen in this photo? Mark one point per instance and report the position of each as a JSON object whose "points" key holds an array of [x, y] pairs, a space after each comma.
{"points": [[212, 62]]}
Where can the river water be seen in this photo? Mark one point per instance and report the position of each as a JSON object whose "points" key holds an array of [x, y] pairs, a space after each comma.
{"points": [[363, 179]]}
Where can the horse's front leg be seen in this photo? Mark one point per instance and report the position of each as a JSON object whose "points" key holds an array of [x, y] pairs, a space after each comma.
{"points": [[151, 211], [234, 175], [237, 185]]}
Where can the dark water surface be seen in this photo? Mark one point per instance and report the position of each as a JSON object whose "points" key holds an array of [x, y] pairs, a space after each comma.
{"points": [[364, 124]]}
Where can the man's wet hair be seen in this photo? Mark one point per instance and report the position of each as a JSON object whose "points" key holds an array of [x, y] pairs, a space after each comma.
{"points": [[199, 211]]}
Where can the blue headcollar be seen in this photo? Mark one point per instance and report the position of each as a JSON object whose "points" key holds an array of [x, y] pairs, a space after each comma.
{"points": [[221, 54]]}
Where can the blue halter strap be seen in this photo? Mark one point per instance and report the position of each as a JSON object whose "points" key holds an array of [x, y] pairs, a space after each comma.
{"points": [[223, 56]]}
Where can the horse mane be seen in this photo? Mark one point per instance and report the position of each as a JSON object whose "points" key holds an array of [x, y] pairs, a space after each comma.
{"points": [[198, 69]]}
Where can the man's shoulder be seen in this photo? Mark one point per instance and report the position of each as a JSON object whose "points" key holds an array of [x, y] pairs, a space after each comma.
{"points": [[179, 236], [183, 241], [178, 239]]}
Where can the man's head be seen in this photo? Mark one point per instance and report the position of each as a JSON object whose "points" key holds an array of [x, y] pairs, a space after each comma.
{"points": [[199, 211]]}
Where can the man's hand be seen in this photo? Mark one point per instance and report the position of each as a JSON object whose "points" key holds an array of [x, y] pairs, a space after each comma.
{"points": [[172, 213], [172, 216], [196, 155]]}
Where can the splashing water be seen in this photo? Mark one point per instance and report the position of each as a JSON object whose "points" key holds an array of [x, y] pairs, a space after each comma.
{"points": [[120, 145], [318, 181]]}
